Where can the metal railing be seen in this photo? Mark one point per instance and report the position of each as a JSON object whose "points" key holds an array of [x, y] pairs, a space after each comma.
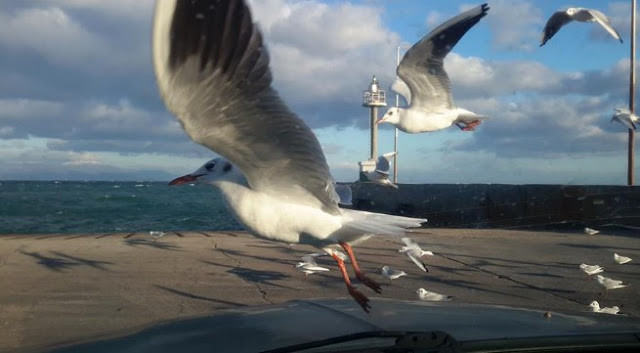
{"points": [[378, 98]]}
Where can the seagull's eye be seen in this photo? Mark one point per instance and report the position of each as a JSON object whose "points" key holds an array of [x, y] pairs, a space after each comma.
{"points": [[391, 112], [209, 166], [227, 167]]}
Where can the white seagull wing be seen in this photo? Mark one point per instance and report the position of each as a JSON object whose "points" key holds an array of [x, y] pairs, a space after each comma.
{"points": [[416, 259], [401, 88], [345, 194], [212, 69], [554, 23], [310, 259], [382, 164], [624, 119], [422, 67], [604, 22], [410, 243]]}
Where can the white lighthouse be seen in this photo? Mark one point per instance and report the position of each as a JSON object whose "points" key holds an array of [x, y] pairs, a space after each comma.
{"points": [[373, 98]]}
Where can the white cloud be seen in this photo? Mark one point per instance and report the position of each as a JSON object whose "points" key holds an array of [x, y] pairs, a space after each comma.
{"points": [[118, 8], [15, 109], [82, 159], [66, 42], [52, 33], [325, 52], [515, 24]]}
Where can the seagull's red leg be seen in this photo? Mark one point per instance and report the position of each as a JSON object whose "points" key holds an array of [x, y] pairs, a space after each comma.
{"points": [[359, 297], [359, 274]]}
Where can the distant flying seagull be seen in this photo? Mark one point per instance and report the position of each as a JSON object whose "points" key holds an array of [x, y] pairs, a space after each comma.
{"points": [[430, 101], [425, 295], [590, 231], [156, 234], [381, 174], [591, 269], [391, 273], [621, 259], [561, 18], [309, 266], [212, 70], [625, 117], [415, 252], [595, 307]]}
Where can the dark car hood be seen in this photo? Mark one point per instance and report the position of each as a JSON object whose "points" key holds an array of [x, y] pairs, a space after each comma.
{"points": [[258, 328]]}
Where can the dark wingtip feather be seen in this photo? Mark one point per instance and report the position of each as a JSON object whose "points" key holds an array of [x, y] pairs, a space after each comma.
{"points": [[485, 8]]}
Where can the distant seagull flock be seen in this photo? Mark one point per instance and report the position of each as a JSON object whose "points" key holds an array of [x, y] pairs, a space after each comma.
{"points": [[216, 79]]}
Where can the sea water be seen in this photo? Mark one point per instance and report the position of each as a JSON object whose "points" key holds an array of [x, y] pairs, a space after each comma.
{"points": [[37, 207]]}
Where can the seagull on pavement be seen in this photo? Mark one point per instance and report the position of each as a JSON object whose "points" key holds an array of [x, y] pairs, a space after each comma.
{"points": [[561, 18], [591, 269], [621, 260], [391, 273], [381, 174], [430, 100], [590, 231], [595, 307], [415, 252], [425, 295], [608, 283], [212, 71]]}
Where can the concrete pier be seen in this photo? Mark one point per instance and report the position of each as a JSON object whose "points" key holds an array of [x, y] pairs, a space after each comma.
{"points": [[503, 205], [61, 288]]}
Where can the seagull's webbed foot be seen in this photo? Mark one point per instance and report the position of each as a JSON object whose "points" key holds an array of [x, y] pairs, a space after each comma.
{"points": [[359, 273], [360, 298], [470, 126], [369, 282]]}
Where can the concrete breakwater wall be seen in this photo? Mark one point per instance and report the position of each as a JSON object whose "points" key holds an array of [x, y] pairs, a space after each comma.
{"points": [[503, 205]]}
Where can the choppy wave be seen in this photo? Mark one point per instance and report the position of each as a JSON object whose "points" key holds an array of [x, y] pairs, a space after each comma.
{"points": [[99, 207]]}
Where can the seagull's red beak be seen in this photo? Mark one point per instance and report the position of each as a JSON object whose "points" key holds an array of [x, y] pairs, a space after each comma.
{"points": [[184, 179], [381, 120]]}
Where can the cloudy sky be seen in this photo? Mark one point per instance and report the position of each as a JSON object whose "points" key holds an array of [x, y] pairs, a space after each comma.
{"points": [[78, 98]]}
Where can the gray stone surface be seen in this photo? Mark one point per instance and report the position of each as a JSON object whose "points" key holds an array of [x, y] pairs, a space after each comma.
{"points": [[57, 288]]}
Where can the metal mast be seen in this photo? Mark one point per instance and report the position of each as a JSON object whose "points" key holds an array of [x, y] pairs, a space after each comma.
{"points": [[395, 138], [632, 93]]}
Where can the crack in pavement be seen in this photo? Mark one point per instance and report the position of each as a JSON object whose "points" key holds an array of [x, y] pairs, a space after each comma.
{"points": [[238, 265], [510, 279]]}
